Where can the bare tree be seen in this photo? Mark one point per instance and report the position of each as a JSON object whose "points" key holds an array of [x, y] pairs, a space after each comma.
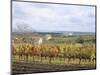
{"points": [[23, 27]]}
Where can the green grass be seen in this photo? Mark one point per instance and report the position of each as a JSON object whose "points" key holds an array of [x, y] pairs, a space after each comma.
{"points": [[56, 60]]}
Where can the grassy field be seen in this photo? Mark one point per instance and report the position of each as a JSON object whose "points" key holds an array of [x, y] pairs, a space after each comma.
{"points": [[60, 53]]}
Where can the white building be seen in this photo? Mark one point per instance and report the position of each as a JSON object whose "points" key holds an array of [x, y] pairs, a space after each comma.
{"points": [[48, 37], [40, 41]]}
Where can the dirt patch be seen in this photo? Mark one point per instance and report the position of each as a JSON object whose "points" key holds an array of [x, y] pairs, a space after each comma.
{"points": [[26, 68]]}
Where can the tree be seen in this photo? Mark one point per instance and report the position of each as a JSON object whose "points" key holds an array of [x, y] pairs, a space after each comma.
{"points": [[80, 40]]}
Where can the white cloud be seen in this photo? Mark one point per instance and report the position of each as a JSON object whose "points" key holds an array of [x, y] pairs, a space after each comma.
{"points": [[54, 17]]}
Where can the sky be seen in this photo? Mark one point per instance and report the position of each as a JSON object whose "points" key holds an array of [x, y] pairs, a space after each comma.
{"points": [[44, 17]]}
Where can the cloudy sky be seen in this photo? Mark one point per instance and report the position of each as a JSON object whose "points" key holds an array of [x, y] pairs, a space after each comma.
{"points": [[53, 17]]}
